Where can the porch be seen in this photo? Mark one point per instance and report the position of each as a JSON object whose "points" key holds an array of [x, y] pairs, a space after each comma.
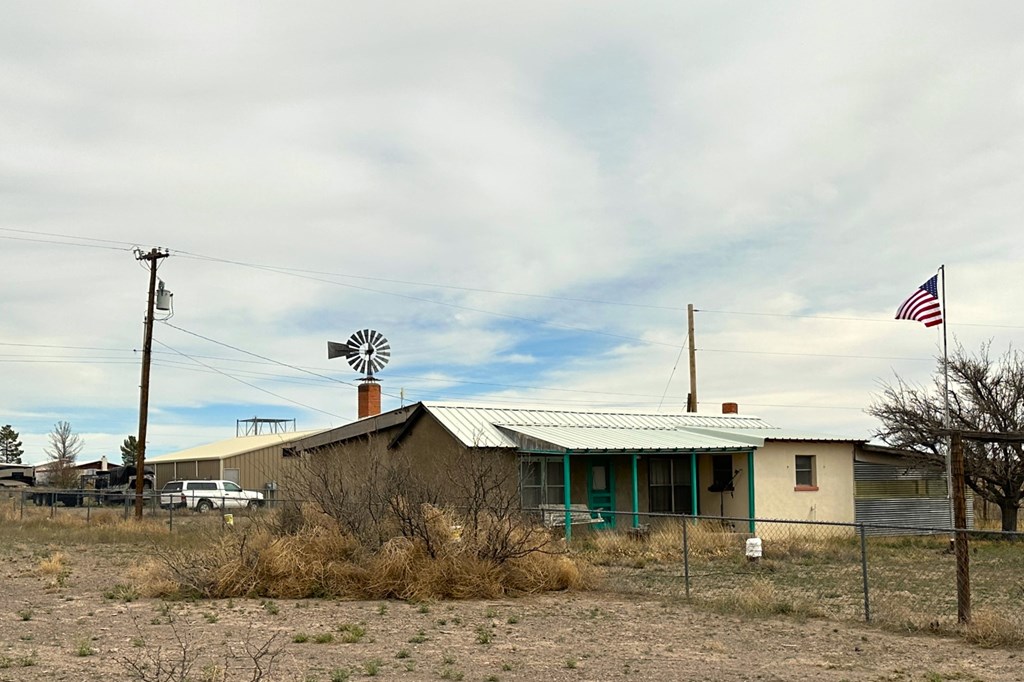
{"points": [[628, 485]]}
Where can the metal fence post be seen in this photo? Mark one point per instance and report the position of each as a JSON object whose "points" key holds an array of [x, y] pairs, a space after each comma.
{"points": [[686, 557], [88, 511], [21, 517], [170, 522], [864, 572]]}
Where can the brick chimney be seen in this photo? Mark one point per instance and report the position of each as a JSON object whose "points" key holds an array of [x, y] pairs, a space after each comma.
{"points": [[730, 408], [369, 398]]}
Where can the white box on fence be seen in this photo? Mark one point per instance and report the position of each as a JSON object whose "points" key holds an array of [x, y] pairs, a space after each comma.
{"points": [[753, 549]]}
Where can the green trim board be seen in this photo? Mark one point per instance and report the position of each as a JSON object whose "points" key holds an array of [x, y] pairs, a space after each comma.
{"points": [[636, 492], [750, 489], [694, 485], [567, 495]]}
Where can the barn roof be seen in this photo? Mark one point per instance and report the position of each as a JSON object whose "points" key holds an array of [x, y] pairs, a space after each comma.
{"points": [[230, 447]]}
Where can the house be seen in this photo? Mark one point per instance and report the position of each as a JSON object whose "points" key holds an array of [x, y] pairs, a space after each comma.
{"points": [[46, 473], [627, 464], [633, 464]]}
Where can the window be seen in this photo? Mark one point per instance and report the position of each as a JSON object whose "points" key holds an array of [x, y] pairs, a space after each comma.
{"points": [[669, 485], [541, 481], [806, 474], [722, 473], [231, 487], [201, 485]]}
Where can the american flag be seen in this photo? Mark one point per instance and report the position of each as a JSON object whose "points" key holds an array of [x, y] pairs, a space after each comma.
{"points": [[923, 305]]}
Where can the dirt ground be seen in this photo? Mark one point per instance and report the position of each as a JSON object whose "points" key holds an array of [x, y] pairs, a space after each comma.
{"points": [[72, 624]]}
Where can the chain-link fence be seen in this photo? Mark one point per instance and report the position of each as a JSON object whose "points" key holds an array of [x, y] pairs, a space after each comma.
{"points": [[99, 506], [900, 575]]}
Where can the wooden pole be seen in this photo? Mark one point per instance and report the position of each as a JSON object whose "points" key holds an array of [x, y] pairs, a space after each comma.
{"points": [[963, 568], [691, 399], [147, 350]]}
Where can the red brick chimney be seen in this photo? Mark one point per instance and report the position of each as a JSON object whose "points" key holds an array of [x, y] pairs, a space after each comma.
{"points": [[369, 398], [730, 408]]}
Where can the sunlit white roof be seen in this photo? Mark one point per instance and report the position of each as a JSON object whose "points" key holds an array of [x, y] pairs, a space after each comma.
{"points": [[232, 446], [613, 430]]}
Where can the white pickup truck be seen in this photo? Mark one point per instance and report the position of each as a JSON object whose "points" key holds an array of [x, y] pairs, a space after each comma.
{"points": [[202, 496]]}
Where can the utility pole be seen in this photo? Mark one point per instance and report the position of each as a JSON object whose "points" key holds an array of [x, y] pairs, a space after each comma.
{"points": [[147, 348], [691, 399]]}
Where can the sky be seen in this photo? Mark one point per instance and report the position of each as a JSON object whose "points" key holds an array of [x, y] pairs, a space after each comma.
{"points": [[522, 197]]}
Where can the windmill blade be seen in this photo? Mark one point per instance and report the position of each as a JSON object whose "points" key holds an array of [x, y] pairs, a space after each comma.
{"points": [[378, 364], [358, 363]]}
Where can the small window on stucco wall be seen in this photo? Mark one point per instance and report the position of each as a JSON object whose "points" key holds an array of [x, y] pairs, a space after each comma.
{"points": [[806, 472]]}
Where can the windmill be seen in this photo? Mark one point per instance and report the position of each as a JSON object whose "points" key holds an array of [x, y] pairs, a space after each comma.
{"points": [[367, 351]]}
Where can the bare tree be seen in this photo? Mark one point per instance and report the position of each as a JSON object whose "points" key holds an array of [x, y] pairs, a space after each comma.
{"points": [[63, 451], [986, 395], [425, 495]]}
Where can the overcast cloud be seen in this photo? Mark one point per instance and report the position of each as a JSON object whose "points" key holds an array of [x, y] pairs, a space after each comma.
{"points": [[481, 182]]}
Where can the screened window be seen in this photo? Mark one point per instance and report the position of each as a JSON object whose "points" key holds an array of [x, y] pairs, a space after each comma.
{"points": [[806, 476], [541, 481], [669, 485], [721, 473]]}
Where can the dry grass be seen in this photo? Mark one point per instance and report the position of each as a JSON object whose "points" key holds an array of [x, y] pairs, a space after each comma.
{"points": [[762, 598], [53, 565], [320, 560], [989, 629]]}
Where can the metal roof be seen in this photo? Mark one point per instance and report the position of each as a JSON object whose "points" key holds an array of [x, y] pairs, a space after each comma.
{"points": [[483, 427], [230, 447], [596, 439], [781, 434]]}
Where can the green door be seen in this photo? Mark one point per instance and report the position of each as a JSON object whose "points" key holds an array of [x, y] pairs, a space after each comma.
{"points": [[601, 489]]}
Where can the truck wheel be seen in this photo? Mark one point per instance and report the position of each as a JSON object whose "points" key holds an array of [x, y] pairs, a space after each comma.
{"points": [[203, 506], [253, 504]]}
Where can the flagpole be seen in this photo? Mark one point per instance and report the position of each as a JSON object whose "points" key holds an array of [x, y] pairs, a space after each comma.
{"points": [[945, 397]]}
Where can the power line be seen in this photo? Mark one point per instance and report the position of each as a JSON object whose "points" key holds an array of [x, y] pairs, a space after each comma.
{"points": [[846, 319], [52, 241], [813, 355], [456, 306], [298, 272], [69, 236], [256, 355], [432, 285], [242, 381]]}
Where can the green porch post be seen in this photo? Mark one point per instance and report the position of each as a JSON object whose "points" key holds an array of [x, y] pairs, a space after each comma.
{"points": [[750, 487], [693, 483], [567, 497], [636, 494]]}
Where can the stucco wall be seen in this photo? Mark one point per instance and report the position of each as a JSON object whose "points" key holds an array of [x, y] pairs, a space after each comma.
{"points": [[775, 492], [733, 504]]}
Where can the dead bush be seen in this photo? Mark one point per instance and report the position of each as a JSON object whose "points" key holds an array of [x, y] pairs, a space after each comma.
{"points": [[320, 559]]}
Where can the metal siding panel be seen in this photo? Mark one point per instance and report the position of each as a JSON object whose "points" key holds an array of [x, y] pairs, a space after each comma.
{"points": [[185, 470], [920, 512], [164, 473], [208, 469]]}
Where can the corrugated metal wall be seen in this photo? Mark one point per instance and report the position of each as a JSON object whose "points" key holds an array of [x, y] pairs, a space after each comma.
{"points": [[903, 496], [208, 469], [164, 474]]}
